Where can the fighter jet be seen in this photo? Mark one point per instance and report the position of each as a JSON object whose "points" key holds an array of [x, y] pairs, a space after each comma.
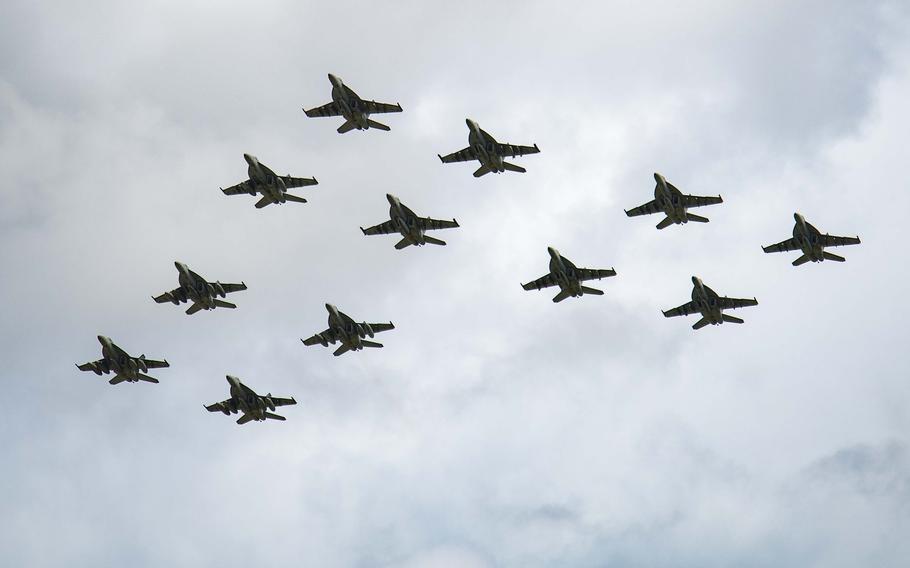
{"points": [[568, 277], [811, 242], [673, 203], [124, 366], [355, 110], [706, 302], [490, 153], [273, 188], [410, 225], [204, 294], [351, 334], [252, 405]]}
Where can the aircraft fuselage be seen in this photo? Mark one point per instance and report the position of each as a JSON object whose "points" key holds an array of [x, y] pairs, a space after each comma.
{"points": [[670, 200], [484, 147], [351, 105]]}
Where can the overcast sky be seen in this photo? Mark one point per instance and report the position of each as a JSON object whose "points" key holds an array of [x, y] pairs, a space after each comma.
{"points": [[495, 428]]}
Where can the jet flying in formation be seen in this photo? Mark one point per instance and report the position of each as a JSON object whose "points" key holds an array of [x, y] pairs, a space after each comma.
{"points": [[673, 203], [489, 152], [568, 277], [124, 366], [272, 187], [351, 334], [811, 242], [356, 111], [202, 293], [253, 406], [706, 302], [411, 226]]}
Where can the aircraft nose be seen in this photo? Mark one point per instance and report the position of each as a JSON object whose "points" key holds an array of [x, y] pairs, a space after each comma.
{"points": [[696, 281], [471, 124], [329, 307], [658, 178], [179, 265], [798, 217], [249, 158], [102, 339]]}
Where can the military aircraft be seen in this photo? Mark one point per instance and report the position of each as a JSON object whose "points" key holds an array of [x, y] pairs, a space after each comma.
{"points": [[673, 203], [203, 294], [811, 242], [273, 188], [568, 277], [356, 111], [252, 405], [706, 302], [352, 335], [124, 366], [490, 153], [410, 225]]}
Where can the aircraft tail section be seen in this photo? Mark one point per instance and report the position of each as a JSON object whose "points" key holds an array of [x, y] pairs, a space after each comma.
{"points": [[377, 125], [481, 171], [665, 223], [294, 198], [593, 291], [223, 304], [731, 319], [832, 256], [147, 378], [801, 260], [696, 218], [366, 343], [341, 350], [266, 200], [700, 323], [346, 127], [271, 416], [405, 242], [513, 168], [434, 241], [117, 379], [193, 309], [244, 419], [563, 294]]}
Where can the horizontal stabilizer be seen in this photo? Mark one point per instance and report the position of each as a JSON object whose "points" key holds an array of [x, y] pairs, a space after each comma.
{"points": [[731, 319], [244, 419], [696, 218], [377, 125], [482, 170], [832, 256], [593, 291], [193, 309], [366, 343], [274, 416], [513, 168], [434, 241], [801, 260], [147, 378], [294, 198], [665, 223], [266, 200], [405, 242], [700, 323], [341, 350], [346, 127], [117, 379], [223, 304], [561, 296]]}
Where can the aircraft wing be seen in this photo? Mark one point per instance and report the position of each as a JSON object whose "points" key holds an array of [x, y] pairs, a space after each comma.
{"points": [[541, 283], [152, 364], [648, 208], [228, 288], [726, 303], [92, 365], [328, 335], [242, 187], [783, 246], [464, 155], [386, 228], [278, 401], [700, 201], [330, 109], [372, 107], [428, 224], [175, 294], [292, 182], [380, 327], [513, 150], [594, 273], [683, 310], [832, 241]]}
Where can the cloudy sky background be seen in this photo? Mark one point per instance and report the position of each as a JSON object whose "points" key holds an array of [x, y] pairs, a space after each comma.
{"points": [[495, 428]]}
